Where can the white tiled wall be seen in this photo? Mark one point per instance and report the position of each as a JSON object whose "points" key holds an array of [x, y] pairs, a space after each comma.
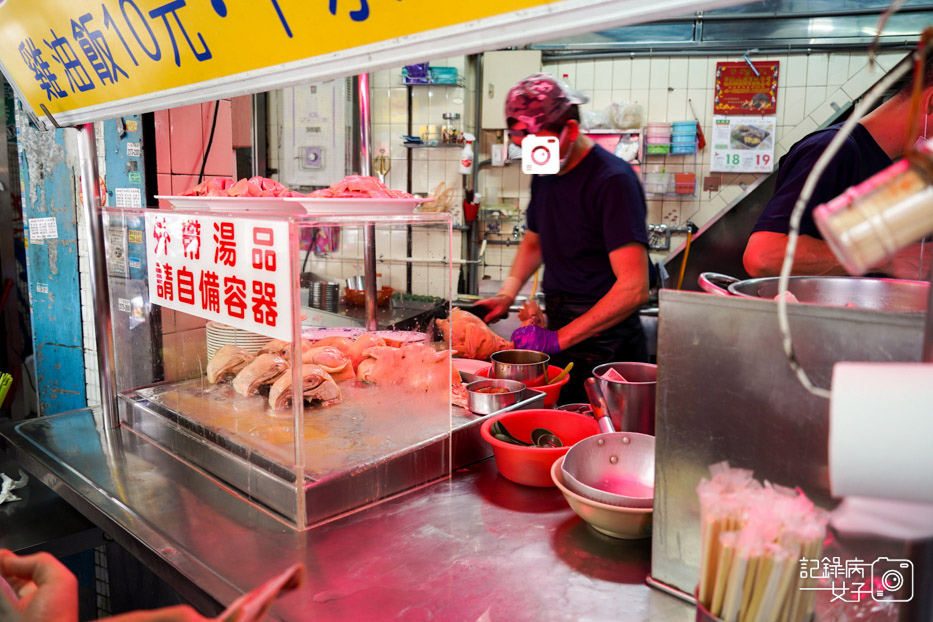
{"points": [[430, 259], [808, 86], [430, 167]]}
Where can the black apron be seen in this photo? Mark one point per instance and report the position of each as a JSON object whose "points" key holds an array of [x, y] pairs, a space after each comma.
{"points": [[623, 342]]}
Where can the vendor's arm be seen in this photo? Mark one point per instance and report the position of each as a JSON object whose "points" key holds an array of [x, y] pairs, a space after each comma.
{"points": [[764, 255], [630, 291], [527, 260]]}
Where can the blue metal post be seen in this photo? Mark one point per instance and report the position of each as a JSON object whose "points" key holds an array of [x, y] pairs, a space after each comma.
{"points": [[48, 182]]}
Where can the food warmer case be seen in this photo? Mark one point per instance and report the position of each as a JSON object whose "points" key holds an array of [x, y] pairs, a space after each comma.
{"points": [[210, 282]]}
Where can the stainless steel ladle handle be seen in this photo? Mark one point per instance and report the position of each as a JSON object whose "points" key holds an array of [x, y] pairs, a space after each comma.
{"points": [[598, 402]]}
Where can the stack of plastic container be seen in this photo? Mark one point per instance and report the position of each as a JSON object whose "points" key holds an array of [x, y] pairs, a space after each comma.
{"points": [[684, 137], [658, 138]]}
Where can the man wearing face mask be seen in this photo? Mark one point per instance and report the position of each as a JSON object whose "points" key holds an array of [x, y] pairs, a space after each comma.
{"points": [[874, 144], [586, 224]]}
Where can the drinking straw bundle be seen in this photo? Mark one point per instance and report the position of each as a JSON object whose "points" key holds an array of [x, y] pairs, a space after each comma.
{"points": [[753, 537]]}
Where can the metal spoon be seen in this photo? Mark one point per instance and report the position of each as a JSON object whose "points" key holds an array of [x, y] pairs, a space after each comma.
{"points": [[543, 437], [498, 430]]}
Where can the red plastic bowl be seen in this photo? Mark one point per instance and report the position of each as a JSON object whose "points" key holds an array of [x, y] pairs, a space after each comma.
{"points": [[551, 391], [531, 466]]}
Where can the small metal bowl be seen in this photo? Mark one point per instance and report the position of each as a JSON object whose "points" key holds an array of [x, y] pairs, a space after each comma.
{"points": [[488, 403], [527, 366]]}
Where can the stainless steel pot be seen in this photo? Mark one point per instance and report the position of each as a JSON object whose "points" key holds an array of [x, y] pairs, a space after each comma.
{"points": [[839, 291]]}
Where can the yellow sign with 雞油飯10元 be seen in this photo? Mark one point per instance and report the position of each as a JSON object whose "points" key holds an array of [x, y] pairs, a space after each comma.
{"points": [[84, 60], [71, 55]]}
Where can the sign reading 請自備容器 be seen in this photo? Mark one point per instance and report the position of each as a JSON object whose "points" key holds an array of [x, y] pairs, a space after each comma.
{"points": [[85, 60], [231, 270]]}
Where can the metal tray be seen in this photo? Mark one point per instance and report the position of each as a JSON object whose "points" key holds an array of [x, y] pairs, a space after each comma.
{"points": [[192, 420]]}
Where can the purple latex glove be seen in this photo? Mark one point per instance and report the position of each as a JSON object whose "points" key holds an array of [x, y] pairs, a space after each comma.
{"points": [[534, 337]]}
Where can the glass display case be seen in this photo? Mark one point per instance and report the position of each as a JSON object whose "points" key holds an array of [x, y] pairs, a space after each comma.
{"points": [[213, 332]]}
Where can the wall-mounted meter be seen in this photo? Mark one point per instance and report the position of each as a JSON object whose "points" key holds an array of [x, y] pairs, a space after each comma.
{"points": [[314, 120]]}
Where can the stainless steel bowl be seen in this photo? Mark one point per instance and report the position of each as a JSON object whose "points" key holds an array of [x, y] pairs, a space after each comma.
{"points": [[356, 282], [615, 468], [488, 403], [840, 291], [526, 366]]}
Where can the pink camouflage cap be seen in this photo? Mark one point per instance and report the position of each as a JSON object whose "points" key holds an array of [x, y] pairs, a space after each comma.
{"points": [[538, 101]]}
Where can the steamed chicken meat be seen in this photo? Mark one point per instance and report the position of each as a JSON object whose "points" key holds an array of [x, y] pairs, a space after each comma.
{"points": [[369, 358], [470, 337], [264, 369], [359, 187], [317, 385], [226, 363], [414, 367], [332, 360]]}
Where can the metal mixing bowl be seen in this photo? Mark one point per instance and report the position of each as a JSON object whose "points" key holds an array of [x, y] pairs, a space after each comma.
{"points": [[615, 468], [526, 366]]}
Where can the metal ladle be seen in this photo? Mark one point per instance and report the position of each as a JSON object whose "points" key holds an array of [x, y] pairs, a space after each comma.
{"points": [[541, 437]]}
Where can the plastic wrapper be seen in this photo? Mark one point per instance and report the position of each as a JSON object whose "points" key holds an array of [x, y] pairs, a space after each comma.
{"points": [[595, 120], [626, 115]]}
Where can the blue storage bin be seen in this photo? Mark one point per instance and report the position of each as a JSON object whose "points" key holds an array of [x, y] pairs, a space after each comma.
{"points": [[684, 137], [684, 148], [444, 75], [684, 126]]}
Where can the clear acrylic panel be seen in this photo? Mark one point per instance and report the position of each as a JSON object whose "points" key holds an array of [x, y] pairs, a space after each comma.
{"points": [[218, 314]]}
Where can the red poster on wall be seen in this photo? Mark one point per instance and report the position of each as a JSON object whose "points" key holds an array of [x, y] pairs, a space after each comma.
{"points": [[740, 91]]}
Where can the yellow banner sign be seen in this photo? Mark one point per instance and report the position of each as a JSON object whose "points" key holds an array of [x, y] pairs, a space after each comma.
{"points": [[74, 54]]}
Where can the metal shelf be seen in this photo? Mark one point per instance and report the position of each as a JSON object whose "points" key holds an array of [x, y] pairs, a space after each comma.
{"points": [[459, 83], [437, 146], [611, 132]]}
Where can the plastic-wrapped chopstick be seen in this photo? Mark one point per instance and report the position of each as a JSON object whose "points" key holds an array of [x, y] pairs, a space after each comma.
{"points": [[753, 534]]}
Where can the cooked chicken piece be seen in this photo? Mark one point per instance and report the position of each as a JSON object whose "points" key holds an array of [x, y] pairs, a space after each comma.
{"points": [[283, 348], [317, 384], [262, 371], [471, 337], [334, 362], [227, 363], [276, 346], [531, 313], [305, 346], [362, 343], [341, 343], [415, 367]]}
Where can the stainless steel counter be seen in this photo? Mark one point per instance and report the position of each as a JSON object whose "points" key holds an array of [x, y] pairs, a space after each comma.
{"points": [[472, 547]]}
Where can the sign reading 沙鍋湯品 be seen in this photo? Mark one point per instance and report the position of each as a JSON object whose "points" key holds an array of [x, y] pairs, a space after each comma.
{"points": [[84, 60], [234, 270]]}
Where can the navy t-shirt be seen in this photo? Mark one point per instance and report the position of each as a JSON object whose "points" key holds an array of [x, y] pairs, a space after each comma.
{"points": [[582, 216], [858, 158]]}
